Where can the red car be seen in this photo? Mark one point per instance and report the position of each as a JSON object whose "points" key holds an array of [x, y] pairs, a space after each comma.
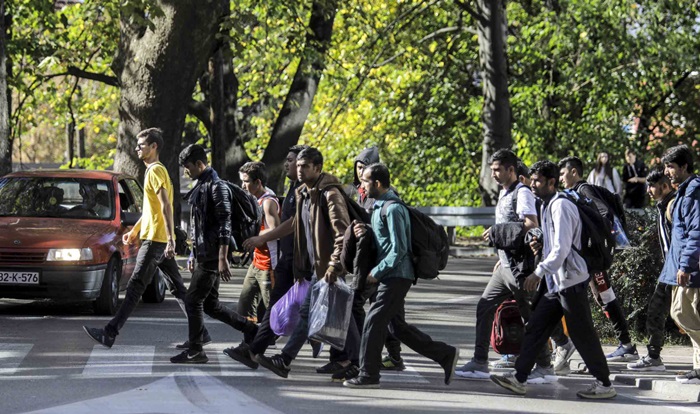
{"points": [[60, 236]]}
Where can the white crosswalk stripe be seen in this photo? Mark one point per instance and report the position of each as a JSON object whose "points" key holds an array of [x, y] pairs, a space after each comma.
{"points": [[120, 360], [407, 376], [11, 356]]}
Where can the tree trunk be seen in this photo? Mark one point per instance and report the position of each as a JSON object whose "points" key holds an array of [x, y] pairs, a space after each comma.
{"points": [[496, 115], [297, 104], [228, 152], [5, 132], [70, 144], [157, 67]]}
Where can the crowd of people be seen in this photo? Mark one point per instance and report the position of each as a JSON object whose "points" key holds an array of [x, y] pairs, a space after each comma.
{"points": [[307, 237]]}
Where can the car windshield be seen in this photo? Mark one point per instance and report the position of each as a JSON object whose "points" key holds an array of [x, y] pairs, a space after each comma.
{"points": [[71, 198]]}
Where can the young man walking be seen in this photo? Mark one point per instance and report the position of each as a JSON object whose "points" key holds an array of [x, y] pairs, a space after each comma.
{"points": [[660, 190], [156, 230], [259, 279], [571, 177], [516, 204], [681, 267], [394, 275], [565, 273], [210, 202], [319, 227], [246, 353]]}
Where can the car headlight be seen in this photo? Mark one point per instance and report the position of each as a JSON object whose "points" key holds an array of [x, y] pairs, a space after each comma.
{"points": [[69, 255]]}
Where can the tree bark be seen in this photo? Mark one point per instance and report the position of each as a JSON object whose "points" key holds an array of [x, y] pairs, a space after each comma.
{"points": [[496, 115], [157, 68], [297, 104], [228, 152], [5, 132]]}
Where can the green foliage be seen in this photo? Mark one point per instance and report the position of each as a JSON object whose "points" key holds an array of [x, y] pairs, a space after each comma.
{"points": [[634, 274]]}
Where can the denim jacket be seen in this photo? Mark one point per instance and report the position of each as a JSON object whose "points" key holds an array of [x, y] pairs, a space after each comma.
{"points": [[685, 234]]}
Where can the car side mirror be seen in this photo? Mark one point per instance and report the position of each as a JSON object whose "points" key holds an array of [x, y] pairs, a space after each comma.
{"points": [[129, 219]]}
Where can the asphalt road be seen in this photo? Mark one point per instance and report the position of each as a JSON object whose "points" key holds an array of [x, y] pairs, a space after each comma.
{"points": [[48, 365]]}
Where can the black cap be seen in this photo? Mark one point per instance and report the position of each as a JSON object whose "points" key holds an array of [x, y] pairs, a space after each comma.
{"points": [[192, 151]]}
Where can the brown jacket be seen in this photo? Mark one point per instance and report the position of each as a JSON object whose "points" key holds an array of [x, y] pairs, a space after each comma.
{"points": [[329, 219]]}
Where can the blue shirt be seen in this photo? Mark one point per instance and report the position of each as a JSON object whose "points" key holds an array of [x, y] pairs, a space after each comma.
{"points": [[393, 239]]}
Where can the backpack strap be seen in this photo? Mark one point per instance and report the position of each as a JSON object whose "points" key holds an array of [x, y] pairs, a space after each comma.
{"points": [[385, 207]]}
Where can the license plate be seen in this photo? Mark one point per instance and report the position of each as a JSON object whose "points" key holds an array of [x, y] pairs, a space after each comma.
{"points": [[18, 278]]}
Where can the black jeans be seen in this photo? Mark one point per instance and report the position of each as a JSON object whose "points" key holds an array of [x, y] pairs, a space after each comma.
{"points": [[502, 286], [573, 304], [388, 310], [657, 313], [203, 297], [284, 280]]}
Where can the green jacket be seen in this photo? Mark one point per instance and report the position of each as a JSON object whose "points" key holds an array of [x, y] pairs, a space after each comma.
{"points": [[393, 240]]}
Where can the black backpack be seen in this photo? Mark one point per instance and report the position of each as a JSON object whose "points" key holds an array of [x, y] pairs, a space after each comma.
{"points": [[246, 215], [355, 211], [429, 244], [608, 204], [597, 238]]}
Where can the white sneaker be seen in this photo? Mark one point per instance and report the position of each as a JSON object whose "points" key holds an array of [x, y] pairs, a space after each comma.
{"points": [[692, 377], [542, 375], [647, 364], [562, 356], [597, 391]]}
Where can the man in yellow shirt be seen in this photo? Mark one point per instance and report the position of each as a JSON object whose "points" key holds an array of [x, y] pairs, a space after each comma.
{"points": [[156, 230]]}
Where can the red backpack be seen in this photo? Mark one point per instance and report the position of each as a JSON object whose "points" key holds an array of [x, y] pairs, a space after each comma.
{"points": [[508, 329]]}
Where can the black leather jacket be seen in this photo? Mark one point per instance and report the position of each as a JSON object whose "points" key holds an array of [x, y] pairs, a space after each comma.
{"points": [[210, 220]]}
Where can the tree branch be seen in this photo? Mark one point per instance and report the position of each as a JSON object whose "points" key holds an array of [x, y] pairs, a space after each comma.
{"points": [[201, 111], [99, 77]]}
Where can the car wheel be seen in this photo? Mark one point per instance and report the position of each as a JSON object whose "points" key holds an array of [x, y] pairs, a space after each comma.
{"points": [[155, 291], [106, 303]]}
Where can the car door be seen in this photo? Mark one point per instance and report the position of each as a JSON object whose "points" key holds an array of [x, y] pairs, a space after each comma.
{"points": [[130, 201]]}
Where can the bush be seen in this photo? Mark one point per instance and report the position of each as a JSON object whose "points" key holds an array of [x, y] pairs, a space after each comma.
{"points": [[634, 274]]}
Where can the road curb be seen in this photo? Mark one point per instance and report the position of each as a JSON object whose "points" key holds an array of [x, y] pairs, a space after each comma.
{"points": [[665, 386]]}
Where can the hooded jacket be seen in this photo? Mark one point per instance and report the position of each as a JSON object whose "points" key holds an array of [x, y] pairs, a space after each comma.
{"points": [[329, 219], [685, 235], [367, 156]]}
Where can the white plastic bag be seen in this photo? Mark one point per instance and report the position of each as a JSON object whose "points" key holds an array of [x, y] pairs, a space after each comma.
{"points": [[330, 313]]}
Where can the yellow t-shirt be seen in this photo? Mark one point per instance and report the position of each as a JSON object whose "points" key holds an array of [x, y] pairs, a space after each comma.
{"points": [[153, 226]]}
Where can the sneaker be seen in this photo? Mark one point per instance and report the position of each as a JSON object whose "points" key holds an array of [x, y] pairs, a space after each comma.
{"points": [[562, 356], [597, 391], [392, 364], [186, 345], [506, 361], [692, 377], [509, 382], [316, 348], [332, 367], [647, 364], [241, 353], [474, 369], [100, 336], [542, 375], [352, 371], [190, 357], [623, 354], [275, 364], [449, 365], [362, 382]]}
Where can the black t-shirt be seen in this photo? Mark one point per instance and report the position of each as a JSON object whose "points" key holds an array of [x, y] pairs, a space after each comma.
{"points": [[289, 208]]}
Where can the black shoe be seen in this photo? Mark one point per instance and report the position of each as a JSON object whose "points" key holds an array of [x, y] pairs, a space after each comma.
{"points": [[332, 367], [186, 345], [449, 365], [190, 357], [362, 382], [241, 353], [100, 336], [392, 364], [316, 348], [352, 371], [275, 364]]}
